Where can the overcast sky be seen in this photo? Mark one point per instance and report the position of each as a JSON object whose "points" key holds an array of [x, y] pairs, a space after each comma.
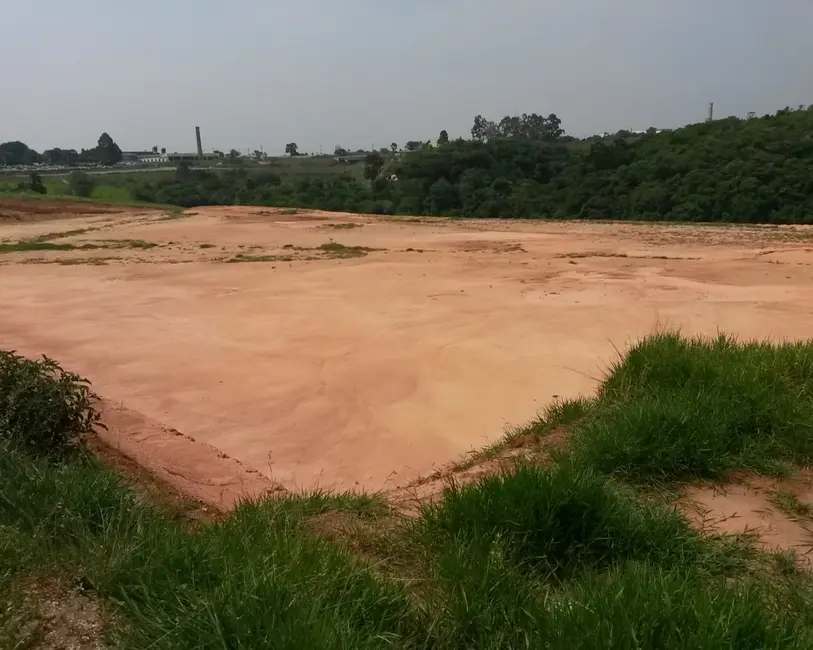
{"points": [[257, 73]]}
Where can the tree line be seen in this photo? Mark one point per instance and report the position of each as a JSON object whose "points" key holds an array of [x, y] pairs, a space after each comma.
{"points": [[106, 152], [757, 170], [735, 170]]}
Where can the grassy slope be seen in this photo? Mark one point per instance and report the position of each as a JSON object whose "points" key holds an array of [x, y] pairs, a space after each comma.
{"points": [[566, 556], [104, 193]]}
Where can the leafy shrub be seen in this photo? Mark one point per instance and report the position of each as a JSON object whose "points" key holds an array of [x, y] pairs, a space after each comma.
{"points": [[81, 184], [36, 185], [43, 408]]}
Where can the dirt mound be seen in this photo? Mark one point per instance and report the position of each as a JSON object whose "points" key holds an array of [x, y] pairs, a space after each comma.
{"points": [[195, 469], [777, 513], [12, 209]]}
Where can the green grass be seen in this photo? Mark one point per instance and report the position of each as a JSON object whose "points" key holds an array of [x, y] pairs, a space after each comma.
{"points": [[103, 194], [790, 504], [112, 194], [335, 249], [33, 246], [241, 257], [60, 235], [571, 554], [37, 244], [675, 408], [257, 579], [565, 520]]}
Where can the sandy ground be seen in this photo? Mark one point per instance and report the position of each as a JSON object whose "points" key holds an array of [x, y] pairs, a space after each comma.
{"points": [[364, 369], [754, 506]]}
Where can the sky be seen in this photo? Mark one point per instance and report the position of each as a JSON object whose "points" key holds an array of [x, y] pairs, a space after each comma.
{"points": [[356, 73]]}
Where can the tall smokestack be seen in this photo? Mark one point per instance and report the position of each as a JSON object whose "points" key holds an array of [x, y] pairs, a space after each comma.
{"points": [[200, 146], [711, 113]]}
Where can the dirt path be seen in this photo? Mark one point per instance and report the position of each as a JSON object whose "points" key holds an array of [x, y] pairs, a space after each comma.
{"points": [[393, 350]]}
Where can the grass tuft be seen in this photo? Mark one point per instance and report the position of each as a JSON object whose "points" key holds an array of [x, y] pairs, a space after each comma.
{"points": [[676, 408], [337, 250], [564, 520]]}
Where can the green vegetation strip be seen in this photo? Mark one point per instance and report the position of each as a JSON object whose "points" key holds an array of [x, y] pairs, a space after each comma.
{"points": [[39, 244], [754, 170], [570, 554]]}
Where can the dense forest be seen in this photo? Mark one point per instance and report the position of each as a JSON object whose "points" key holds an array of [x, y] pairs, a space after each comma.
{"points": [[757, 170]]}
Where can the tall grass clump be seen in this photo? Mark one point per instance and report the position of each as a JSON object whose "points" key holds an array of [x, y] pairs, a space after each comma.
{"points": [[259, 578], [488, 603], [636, 605], [563, 520], [43, 408], [679, 408], [565, 558]]}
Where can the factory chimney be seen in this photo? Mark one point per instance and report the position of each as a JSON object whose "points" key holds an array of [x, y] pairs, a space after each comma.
{"points": [[200, 146]]}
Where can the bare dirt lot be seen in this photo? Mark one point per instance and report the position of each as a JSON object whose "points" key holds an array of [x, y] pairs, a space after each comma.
{"points": [[242, 349]]}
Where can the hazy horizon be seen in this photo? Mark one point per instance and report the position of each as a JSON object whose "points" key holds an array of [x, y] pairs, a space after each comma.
{"points": [[370, 72]]}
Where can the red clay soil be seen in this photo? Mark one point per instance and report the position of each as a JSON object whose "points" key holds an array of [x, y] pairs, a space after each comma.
{"points": [[189, 466], [408, 498], [27, 210], [366, 368]]}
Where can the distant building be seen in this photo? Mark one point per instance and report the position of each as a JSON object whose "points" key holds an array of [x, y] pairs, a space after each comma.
{"points": [[192, 157], [153, 158], [175, 157], [134, 156]]}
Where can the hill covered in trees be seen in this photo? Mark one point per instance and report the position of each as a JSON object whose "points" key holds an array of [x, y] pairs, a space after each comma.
{"points": [[738, 170]]}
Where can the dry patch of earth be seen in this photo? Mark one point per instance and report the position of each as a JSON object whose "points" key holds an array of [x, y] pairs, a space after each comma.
{"points": [[358, 352]]}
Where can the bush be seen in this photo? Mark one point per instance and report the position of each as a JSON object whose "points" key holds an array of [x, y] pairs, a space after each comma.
{"points": [[43, 408], [36, 185], [81, 184]]}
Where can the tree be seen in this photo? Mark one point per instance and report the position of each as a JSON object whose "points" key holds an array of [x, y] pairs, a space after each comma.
{"points": [[443, 138], [155, 148], [163, 151], [394, 147], [373, 165], [35, 184], [234, 154], [413, 145], [483, 130], [183, 171], [107, 152], [81, 184], [340, 151], [291, 149], [17, 153]]}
